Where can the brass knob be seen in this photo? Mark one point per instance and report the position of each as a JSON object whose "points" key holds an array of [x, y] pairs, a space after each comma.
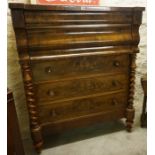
{"points": [[51, 93], [48, 69], [117, 63], [114, 102]]}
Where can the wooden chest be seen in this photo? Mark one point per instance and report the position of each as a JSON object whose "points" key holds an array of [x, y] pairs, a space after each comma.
{"points": [[78, 64]]}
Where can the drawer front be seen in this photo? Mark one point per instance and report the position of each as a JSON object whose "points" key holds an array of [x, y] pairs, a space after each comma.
{"points": [[82, 107], [64, 17], [81, 87], [48, 40], [65, 30], [78, 66]]}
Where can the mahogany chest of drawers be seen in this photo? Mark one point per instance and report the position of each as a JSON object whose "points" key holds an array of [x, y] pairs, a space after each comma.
{"points": [[78, 64]]}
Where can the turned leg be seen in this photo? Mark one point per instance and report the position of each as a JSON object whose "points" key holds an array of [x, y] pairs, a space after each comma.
{"points": [[130, 113], [35, 126], [37, 139]]}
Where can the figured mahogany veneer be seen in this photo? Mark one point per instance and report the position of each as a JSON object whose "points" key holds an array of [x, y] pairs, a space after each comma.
{"points": [[80, 87], [54, 112], [78, 64], [83, 65]]}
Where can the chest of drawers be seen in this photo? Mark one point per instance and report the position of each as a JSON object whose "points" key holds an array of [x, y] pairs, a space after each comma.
{"points": [[78, 64]]}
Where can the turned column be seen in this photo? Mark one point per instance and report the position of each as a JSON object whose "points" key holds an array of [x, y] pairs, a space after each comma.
{"points": [[130, 111], [136, 22], [22, 48]]}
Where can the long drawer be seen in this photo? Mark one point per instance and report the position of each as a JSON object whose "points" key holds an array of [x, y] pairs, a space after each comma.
{"points": [[82, 107], [64, 17], [64, 67], [76, 88]]}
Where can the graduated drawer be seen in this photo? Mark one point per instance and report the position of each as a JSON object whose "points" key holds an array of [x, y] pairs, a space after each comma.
{"points": [[83, 107], [76, 88], [67, 67]]}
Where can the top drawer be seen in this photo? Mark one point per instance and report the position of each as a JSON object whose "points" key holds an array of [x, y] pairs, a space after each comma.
{"points": [[67, 67], [54, 17]]}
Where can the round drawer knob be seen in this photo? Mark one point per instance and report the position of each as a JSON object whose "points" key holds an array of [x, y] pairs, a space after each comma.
{"points": [[51, 93], [48, 70], [114, 102], [117, 63]]}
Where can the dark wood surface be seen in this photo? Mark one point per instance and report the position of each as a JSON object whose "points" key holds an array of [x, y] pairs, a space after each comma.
{"points": [[14, 141], [78, 64], [61, 111], [144, 109], [71, 89], [71, 8], [83, 65]]}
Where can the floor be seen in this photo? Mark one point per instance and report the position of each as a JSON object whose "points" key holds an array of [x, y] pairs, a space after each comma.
{"points": [[109, 138]]}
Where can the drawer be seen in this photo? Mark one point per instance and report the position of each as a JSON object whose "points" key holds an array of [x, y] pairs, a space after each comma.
{"points": [[69, 89], [77, 40], [82, 107], [65, 17], [65, 67]]}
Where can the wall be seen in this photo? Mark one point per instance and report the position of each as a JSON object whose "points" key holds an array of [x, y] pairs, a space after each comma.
{"points": [[14, 78]]}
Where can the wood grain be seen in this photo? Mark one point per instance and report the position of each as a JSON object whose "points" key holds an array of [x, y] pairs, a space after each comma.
{"points": [[81, 87], [67, 67], [54, 112]]}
